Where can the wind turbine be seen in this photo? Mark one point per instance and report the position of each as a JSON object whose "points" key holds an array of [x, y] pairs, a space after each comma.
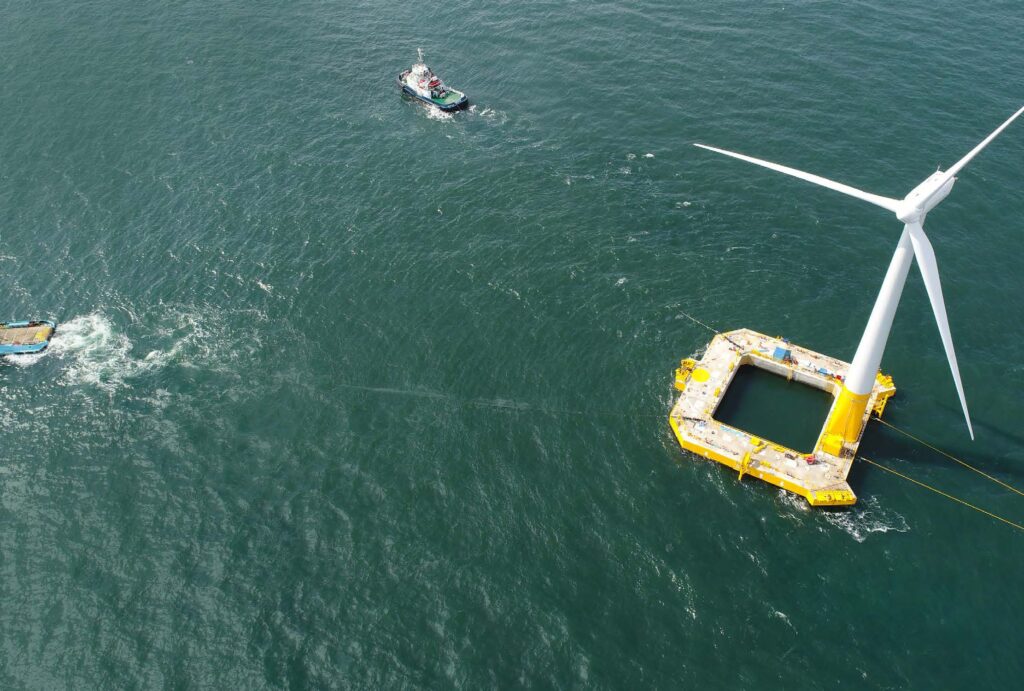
{"points": [[848, 412]]}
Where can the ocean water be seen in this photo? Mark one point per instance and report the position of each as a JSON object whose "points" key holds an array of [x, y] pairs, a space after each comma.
{"points": [[350, 394], [771, 407]]}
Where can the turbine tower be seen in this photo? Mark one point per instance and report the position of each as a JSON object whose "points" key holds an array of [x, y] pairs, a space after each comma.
{"points": [[847, 416]]}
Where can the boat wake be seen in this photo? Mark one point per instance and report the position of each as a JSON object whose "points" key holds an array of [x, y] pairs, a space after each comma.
{"points": [[438, 114], [867, 517], [488, 114], [858, 521], [26, 359], [97, 354]]}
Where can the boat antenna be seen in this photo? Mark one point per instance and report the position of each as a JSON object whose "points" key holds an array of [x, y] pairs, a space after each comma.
{"points": [[419, 51]]}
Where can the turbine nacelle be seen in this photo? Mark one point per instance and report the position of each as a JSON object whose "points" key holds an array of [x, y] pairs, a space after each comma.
{"points": [[925, 197]]}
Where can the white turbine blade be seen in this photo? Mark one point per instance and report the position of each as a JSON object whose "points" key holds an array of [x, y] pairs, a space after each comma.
{"points": [[956, 167], [930, 273], [884, 202]]}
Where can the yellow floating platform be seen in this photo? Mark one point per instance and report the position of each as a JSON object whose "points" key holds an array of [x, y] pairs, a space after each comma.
{"points": [[819, 477]]}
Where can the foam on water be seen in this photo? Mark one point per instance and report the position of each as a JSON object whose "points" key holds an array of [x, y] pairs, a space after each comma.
{"points": [[499, 117], [793, 502], [78, 336], [198, 475], [858, 521], [438, 114], [865, 518], [96, 352], [26, 360]]}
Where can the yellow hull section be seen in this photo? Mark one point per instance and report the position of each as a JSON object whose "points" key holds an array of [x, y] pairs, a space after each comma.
{"points": [[819, 477]]}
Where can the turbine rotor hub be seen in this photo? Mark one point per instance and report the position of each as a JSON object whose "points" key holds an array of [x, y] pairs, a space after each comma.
{"points": [[925, 197]]}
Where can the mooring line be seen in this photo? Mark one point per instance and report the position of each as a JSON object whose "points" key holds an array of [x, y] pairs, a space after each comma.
{"points": [[926, 444], [1018, 526], [496, 404], [951, 457], [698, 321], [709, 328]]}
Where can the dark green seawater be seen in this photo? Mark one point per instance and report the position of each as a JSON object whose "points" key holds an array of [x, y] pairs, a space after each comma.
{"points": [[346, 394], [772, 407]]}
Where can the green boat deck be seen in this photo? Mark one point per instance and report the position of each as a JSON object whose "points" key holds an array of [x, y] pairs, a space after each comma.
{"points": [[452, 97]]}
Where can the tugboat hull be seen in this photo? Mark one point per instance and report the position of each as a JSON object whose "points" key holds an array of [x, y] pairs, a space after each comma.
{"points": [[448, 105], [20, 338]]}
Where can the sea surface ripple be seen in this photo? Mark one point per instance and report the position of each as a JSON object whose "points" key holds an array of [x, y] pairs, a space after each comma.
{"points": [[347, 393]]}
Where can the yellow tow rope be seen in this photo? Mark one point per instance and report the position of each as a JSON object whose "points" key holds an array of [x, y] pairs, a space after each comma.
{"points": [[951, 457], [1018, 526]]}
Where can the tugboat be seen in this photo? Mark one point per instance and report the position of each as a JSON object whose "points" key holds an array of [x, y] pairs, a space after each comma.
{"points": [[19, 338], [420, 82]]}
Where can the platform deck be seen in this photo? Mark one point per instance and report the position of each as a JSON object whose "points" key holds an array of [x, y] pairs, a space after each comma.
{"points": [[820, 477]]}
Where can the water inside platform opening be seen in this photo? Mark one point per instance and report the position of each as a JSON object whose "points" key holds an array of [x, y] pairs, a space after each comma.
{"points": [[769, 406]]}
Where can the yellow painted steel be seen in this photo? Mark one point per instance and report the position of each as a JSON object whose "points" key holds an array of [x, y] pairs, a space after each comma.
{"points": [[887, 391], [744, 464], [831, 497], [847, 417], [683, 372], [835, 446], [837, 497], [832, 443]]}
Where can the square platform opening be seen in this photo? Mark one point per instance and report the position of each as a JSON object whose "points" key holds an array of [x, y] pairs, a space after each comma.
{"points": [[769, 406]]}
